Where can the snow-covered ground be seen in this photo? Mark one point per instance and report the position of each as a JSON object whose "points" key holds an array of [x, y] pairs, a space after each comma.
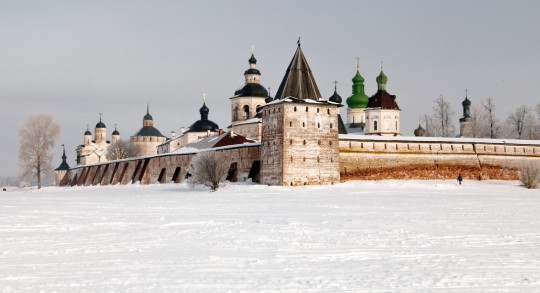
{"points": [[387, 236]]}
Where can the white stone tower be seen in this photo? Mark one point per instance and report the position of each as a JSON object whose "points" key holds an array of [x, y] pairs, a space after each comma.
{"points": [[300, 132]]}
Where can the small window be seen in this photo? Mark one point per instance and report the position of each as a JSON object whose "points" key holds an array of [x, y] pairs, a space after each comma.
{"points": [[294, 109], [290, 123], [307, 109], [318, 125], [304, 141], [319, 142], [303, 124], [331, 126], [328, 110], [375, 125], [317, 110], [246, 112], [290, 141]]}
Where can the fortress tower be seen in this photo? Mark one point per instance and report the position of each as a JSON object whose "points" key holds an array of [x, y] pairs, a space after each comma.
{"points": [[300, 131], [148, 137]]}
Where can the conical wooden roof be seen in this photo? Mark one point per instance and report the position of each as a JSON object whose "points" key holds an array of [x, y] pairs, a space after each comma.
{"points": [[298, 81]]}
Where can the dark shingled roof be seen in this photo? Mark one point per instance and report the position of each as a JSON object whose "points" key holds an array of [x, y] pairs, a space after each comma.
{"points": [[298, 81], [149, 131], [64, 166], [382, 99], [251, 90]]}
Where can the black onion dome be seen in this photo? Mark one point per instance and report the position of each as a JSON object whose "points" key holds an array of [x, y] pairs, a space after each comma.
{"points": [[204, 109], [203, 125], [466, 102], [87, 132], [268, 99], [252, 60], [252, 90], [149, 131], [148, 117], [335, 98], [115, 132], [100, 124]]}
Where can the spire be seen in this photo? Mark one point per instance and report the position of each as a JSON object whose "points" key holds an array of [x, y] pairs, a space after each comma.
{"points": [[298, 81], [100, 124], [64, 165], [204, 110], [87, 132], [148, 116], [359, 99]]}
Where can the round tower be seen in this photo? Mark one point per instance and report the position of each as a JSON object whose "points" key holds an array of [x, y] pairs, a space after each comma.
{"points": [[356, 117], [87, 137], [115, 135], [100, 131]]}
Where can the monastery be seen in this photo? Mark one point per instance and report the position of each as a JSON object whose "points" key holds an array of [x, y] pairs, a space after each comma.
{"points": [[299, 138]]}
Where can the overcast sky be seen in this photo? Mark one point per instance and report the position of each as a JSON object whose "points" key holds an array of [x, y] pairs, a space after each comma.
{"points": [[75, 59]]}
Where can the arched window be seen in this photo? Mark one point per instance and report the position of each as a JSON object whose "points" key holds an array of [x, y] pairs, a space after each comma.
{"points": [[246, 112], [235, 117], [375, 125], [387, 124]]}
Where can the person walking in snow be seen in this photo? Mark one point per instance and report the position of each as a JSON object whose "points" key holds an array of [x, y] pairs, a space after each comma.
{"points": [[459, 178]]}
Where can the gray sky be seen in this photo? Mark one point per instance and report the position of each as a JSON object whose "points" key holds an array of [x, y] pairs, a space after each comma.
{"points": [[75, 59]]}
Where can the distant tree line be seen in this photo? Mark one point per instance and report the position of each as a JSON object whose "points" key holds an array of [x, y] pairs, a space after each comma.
{"points": [[522, 123]]}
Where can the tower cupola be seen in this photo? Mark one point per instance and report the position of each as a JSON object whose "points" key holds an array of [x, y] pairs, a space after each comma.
{"points": [[100, 132], [381, 80], [359, 99], [147, 119], [335, 98]]}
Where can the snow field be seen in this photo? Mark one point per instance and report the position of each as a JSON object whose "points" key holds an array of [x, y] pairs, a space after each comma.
{"points": [[385, 236]]}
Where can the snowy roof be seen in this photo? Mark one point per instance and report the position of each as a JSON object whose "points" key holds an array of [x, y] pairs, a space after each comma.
{"points": [[358, 136], [250, 121]]}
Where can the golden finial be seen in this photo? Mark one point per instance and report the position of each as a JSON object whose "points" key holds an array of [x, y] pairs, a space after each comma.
{"points": [[357, 63], [204, 97], [252, 48]]}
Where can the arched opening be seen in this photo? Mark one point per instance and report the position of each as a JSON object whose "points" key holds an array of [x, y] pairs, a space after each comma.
{"points": [[235, 114], [246, 112], [375, 125]]}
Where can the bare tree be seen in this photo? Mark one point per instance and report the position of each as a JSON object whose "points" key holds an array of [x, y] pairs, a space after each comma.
{"points": [[36, 138], [491, 118], [531, 127], [431, 128], [517, 119], [529, 173], [122, 149], [443, 117], [477, 126], [209, 169]]}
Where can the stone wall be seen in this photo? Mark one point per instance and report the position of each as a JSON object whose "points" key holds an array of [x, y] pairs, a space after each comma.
{"points": [[161, 169], [299, 144], [365, 157]]}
